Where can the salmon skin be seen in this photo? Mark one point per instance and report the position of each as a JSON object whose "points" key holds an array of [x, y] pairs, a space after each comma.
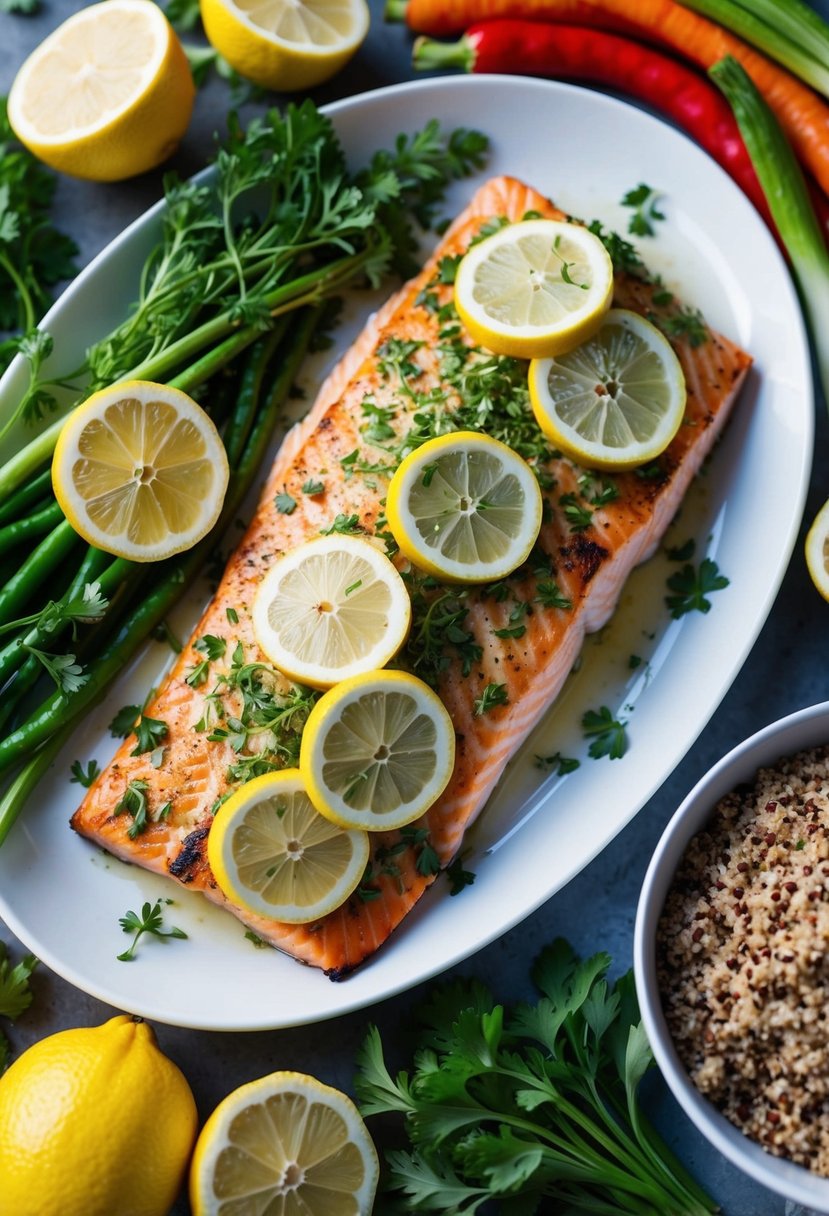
{"points": [[410, 358]]}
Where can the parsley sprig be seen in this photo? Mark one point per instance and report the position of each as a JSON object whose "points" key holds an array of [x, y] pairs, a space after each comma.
{"points": [[534, 1106], [643, 199], [607, 734], [691, 587], [150, 921], [15, 993]]}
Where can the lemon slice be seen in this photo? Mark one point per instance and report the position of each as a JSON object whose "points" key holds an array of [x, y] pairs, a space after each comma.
{"points": [[377, 751], [107, 95], [331, 608], [286, 44], [817, 551], [464, 507], [273, 853], [288, 1145], [615, 402], [140, 471], [535, 288]]}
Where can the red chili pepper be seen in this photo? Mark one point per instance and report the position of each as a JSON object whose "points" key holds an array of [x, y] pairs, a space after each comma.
{"points": [[570, 52]]}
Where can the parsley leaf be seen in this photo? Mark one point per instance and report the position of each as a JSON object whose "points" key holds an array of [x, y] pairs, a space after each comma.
{"points": [[150, 921], [149, 734], [133, 802], [493, 694], [561, 764], [492, 1088], [643, 198], [459, 878], [285, 503], [607, 733], [123, 722], [82, 776], [15, 993], [345, 524], [691, 587], [312, 487]]}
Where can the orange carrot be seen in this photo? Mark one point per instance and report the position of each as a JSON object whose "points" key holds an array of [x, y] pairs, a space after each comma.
{"points": [[802, 114]]}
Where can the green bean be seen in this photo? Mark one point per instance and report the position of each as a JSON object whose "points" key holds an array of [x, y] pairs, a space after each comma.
{"points": [[25, 781], [39, 566], [253, 373], [32, 526], [176, 575], [26, 496]]}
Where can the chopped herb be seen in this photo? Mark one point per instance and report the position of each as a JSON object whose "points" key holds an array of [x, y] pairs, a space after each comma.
{"points": [[149, 734], [133, 802], [312, 487], [578, 516], [256, 940], [634, 661], [607, 733], [150, 921], [515, 629], [550, 595], [344, 524], [565, 267], [123, 722], [212, 648], [165, 811], [493, 695], [427, 861], [682, 553], [429, 471], [15, 993], [458, 876], [285, 503], [801, 844], [354, 586], [232, 616], [84, 777], [687, 323], [623, 255], [691, 588], [562, 764], [643, 198]]}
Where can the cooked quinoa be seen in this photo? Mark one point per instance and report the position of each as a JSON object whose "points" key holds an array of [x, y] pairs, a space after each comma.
{"points": [[743, 958]]}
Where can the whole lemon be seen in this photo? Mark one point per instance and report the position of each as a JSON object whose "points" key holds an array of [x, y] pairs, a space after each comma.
{"points": [[94, 1122]]}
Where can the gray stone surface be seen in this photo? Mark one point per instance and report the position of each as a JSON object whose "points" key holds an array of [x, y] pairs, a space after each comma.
{"points": [[787, 669]]}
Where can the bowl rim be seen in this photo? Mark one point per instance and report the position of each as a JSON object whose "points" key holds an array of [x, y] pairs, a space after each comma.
{"points": [[797, 731]]}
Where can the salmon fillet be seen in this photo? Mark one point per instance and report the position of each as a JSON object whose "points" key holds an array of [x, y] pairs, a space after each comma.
{"points": [[587, 564]]}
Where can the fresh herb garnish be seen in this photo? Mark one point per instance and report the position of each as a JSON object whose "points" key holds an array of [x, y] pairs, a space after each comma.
{"points": [[150, 732], [285, 503], [133, 802], [643, 198], [459, 877], [691, 587], [212, 648], [344, 524], [687, 323], [578, 516], [15, 994], [607, 733], [561, 764], [550, 595], [529, 1108], [312, 487], [493, 695], [84, 776], [150, 921]]}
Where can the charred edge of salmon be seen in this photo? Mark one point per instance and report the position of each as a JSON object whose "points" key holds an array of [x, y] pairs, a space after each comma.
{"points": [[345, 938]]}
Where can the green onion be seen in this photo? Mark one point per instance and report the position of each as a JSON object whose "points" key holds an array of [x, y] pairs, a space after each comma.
{"points": [[788, 198], [786, 30]]}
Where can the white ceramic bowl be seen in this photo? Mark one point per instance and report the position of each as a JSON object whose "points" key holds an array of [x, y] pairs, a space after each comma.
{"points": [[797, 732]]}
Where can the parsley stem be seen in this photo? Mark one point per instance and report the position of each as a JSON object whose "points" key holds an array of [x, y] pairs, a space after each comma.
{"points": [[29, 320]]}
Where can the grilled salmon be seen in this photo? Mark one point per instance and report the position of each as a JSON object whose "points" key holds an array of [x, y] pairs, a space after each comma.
{"points": [[523, 635]]}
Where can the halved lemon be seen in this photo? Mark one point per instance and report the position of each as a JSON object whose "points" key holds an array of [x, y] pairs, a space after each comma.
{"points": [[464, 507], [286, 44], [616, 401], [272, 852], [535, 288], [377, 751], [284, 1144], [107, 95], [140, 471], [817, 551], [331, 608]]}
